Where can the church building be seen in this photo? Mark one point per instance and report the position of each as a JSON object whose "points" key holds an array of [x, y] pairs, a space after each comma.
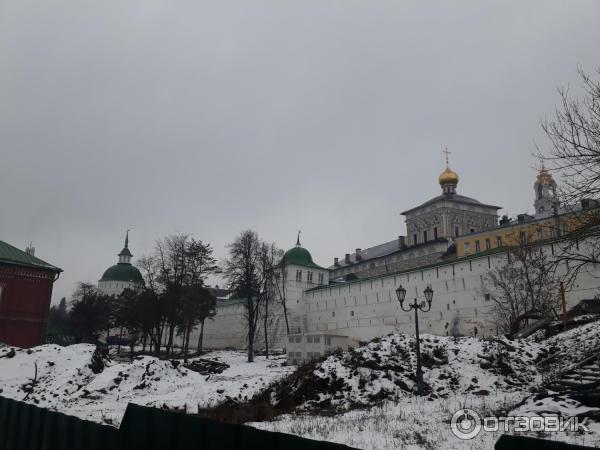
{"points": [[122, 275], [431, 229], [452, 242]]}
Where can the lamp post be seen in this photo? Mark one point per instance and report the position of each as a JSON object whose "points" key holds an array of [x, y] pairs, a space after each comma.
{"points": [[401, 294]]}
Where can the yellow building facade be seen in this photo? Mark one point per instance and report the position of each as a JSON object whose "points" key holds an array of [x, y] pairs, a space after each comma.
{"points": [[550, 222]]}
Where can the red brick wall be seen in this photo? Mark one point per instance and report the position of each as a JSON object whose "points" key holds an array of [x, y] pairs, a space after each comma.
{"points": [[24, 302]]}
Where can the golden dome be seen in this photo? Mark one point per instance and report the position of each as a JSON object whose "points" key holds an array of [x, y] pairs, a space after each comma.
{"points": [[544, 177], [448, 176]]}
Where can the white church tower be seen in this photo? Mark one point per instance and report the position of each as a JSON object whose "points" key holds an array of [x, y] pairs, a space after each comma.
{"points": [[297, 272], [546, 199]]}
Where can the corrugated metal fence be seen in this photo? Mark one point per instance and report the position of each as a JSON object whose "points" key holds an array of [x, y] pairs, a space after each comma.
{"points": [[27, 427]]}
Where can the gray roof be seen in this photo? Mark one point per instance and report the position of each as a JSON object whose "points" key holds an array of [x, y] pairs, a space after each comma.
{"points": [[454, 198], [387, 248]]}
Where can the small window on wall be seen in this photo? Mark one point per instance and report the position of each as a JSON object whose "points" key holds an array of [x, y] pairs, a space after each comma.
{"points": [[317, 340], [424, 236], [352, 313], [539, 234], [522, 237], [309, 277], [467, 247], [309, 339], [298, 275], [477, 248], [498, 241], [435, 233], [415, 239], [488, 244], [456, 232], [320, 278]]}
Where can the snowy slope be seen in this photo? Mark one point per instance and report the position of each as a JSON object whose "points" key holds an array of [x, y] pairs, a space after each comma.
{"points": [[66, 383], [384, 370]]}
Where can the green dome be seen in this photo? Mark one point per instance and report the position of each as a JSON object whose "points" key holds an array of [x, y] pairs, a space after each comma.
{"points": [[300, 257], [122, 272]]}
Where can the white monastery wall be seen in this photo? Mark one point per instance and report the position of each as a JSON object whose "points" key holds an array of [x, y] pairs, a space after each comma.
{"points": [[365, 309]]}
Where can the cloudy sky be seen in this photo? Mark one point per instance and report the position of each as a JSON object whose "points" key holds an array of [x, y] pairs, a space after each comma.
{"points": [[213, 117]]}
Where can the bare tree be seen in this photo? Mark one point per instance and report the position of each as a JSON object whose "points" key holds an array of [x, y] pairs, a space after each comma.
{"points": [[198, 303], [243, 273], [279, 282], [574, 135], [176, 273], [206, 310], [524, 287], [268, 257]]}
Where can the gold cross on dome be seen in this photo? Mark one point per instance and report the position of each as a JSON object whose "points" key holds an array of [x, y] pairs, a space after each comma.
{"points": [[447, 153]]}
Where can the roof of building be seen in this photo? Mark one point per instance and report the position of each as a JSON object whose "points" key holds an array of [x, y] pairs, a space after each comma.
{"points": [[385, 249], [125, 251], [451, 197], [299, 256], [122, 272], [13, 256], [444, 262]]}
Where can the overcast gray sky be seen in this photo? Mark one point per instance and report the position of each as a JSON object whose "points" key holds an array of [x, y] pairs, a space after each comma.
{"points": [[213, 117]]}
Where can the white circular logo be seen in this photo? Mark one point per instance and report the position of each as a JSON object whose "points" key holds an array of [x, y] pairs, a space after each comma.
{"points": [[465, 424]]}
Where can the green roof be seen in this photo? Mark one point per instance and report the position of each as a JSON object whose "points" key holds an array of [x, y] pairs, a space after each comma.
{"points": [[299, 256], [122, 272], [125, 252], [13, 256]]}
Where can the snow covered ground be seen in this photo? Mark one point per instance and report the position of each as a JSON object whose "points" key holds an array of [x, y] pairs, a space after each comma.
{"points": [[66, 383], [363, 398], [411, 423], [494, 378]]}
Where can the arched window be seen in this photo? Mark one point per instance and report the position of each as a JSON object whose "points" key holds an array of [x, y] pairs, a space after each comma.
{"points": [[540, 191]]}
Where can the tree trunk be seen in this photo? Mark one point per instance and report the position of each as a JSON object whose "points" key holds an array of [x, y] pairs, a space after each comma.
{"points": [[119, 343], [265, 328], [250, 348], [186, 341], [200, 337], [287, 324], [251, 328], [170, 341], [157, 338]]}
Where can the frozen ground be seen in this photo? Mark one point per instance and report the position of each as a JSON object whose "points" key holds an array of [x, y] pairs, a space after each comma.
{"points": [[367, 395], [497, 378], [66, 383], [412, 423]]}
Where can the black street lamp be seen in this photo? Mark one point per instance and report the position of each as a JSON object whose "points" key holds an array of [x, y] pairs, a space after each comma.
{"points": [[428, 292]]}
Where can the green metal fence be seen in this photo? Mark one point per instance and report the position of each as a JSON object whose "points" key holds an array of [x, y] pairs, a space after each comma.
{"points": [[27, 427]]}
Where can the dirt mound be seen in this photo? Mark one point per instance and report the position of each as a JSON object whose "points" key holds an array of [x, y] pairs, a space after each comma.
{"points": [[206, 366], [384, 370]]}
